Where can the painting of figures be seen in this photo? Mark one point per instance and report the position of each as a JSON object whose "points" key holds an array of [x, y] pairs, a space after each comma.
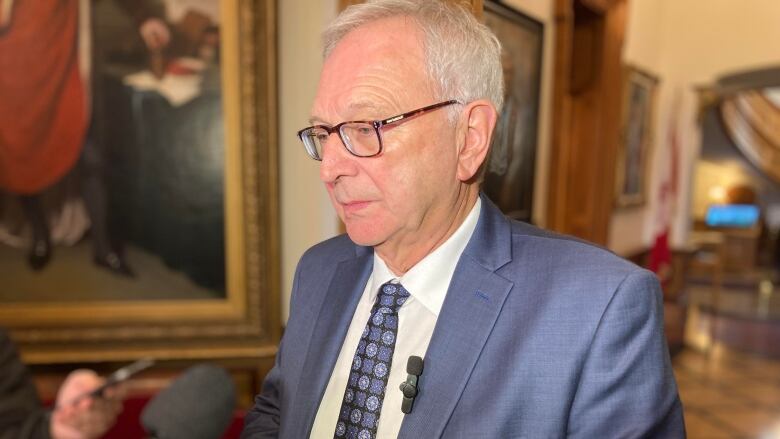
{"points": [[137, 174]]}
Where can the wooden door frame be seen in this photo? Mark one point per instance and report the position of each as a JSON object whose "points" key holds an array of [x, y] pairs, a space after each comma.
{"points": [[586, 116]]}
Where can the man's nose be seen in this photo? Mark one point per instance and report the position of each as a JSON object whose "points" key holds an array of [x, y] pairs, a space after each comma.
{"points": [[336, 160]]}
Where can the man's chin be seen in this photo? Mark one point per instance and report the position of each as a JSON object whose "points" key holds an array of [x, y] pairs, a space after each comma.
{"points": [[361, 235]]}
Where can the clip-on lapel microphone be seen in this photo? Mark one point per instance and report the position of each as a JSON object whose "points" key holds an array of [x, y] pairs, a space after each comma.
{"points": [[414, 368]]}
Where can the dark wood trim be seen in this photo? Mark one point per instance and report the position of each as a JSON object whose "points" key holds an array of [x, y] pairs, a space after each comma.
{"points": [[639, 257], [586, 116]]}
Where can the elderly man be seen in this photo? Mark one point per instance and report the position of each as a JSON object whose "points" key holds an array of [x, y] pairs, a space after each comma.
{"points": [[523, 333]]}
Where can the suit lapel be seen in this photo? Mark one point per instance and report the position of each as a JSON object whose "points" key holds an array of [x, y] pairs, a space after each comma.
{"points": [[470, 310], [330, 329]]}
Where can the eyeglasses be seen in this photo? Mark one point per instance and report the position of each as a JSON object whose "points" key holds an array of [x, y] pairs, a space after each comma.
{"points": [[362, 138]]}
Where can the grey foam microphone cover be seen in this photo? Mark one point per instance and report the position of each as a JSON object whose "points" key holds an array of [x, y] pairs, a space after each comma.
{"points": [[414, 365], [197, 405]]}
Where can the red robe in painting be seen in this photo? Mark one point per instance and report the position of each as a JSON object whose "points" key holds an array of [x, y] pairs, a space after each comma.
{"points": [[43, 104]]}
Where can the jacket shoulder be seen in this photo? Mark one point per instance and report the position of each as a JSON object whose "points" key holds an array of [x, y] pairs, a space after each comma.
{"points": [[569, 251]]}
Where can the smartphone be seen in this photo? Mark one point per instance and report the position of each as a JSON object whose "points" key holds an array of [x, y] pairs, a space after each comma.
{"points": [[118, 376]]}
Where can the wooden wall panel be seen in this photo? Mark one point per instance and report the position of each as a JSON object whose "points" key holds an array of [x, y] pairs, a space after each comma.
{"points": [[560, 157], [586, 116]]}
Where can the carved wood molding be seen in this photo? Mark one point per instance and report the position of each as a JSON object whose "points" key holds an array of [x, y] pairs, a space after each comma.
{"points": [[753, 124], [597, 6], [762, 114]]}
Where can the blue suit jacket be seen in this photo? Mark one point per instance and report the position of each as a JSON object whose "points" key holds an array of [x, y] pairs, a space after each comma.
{"points": [[540, 336]]}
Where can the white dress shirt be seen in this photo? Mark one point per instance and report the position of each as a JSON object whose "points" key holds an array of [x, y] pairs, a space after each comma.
{"points": [[427, 283]]}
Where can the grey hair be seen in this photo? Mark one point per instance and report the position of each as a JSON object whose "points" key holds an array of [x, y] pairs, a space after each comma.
{"points": [[463, 56]]}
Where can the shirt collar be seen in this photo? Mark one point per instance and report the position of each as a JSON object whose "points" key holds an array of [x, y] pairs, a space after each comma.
{"points": [[430, 278]]}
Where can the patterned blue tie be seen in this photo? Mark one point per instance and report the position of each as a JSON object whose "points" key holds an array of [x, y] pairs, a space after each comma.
{"points": [[362, 404]]}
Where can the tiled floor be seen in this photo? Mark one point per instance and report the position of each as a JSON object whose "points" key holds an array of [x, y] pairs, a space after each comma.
{"points": [[727, 394], [730, 393]]}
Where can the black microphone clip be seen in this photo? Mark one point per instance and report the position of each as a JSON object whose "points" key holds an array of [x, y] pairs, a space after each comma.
{"points": [[414, 368]]}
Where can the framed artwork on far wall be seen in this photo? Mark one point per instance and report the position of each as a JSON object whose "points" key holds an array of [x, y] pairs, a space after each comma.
{"points": [[636, 137], [509, 178]]}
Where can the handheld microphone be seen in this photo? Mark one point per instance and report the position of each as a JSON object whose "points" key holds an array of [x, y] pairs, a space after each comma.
{"points": [[197, 405], [414, 368]]}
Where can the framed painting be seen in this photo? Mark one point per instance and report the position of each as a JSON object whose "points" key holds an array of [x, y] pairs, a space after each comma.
{"points": [[639, 91], [155, 232], [509, 178]]}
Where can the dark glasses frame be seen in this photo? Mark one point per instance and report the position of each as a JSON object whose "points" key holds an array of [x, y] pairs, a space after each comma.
{"points": [[311, 149]]}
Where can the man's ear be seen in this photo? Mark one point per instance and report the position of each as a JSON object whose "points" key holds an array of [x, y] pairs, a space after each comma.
{"points": [[478, 119]]}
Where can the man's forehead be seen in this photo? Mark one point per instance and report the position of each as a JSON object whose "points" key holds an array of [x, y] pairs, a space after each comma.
{"points": [[372, 72], [361, 108], [393, 40]]}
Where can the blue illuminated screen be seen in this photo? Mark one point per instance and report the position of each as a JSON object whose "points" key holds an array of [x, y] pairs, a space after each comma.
{"points": [[732, 215]]}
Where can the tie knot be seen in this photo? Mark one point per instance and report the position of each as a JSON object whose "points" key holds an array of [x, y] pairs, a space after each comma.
{"points": [[392, 296]]}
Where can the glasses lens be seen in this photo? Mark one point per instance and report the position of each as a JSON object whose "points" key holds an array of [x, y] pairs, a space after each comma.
{"points": [[313, 138], [361, 139]]}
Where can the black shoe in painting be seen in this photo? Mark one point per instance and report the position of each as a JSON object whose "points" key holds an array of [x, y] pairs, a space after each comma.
{"points": [[114, 263], [40, 254]]}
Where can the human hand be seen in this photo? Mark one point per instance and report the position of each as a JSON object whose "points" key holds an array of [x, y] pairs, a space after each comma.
{"points": [[155, 33], [79, 417]]}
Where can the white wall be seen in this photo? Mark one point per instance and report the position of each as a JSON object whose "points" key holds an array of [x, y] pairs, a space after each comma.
{"points": [[687, 44], [306, 214]]}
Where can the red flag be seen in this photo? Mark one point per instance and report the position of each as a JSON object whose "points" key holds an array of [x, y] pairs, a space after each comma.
{"points": [[661, 258]]}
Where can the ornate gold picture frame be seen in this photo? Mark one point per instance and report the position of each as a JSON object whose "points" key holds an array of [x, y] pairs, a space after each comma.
{"points": [[637, 124]]}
